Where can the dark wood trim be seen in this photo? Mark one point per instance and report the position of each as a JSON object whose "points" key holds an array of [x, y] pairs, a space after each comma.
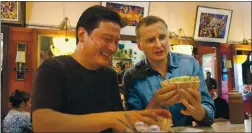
{"points": [[242, 47], [23, 4], [232, 49], [128, 38], [34, 52], [208, 44], [54, 32], [6, 67], [219, 68]]}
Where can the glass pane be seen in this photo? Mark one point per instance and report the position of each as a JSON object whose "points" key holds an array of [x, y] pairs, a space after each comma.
{"points": [[208, 64]]}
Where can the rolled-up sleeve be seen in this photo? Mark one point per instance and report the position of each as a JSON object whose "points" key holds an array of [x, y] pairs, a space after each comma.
{"points": [[132, 99], [206, 99]]}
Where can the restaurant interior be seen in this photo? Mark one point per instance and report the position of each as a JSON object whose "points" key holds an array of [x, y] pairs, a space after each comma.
{"points": [[40, 29]]}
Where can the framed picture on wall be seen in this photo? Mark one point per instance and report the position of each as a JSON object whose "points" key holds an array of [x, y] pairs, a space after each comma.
{"points": [[131, 13], [12, 12], [212, 24]]}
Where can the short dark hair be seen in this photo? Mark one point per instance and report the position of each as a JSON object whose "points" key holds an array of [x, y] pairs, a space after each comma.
{"points": [[149, 20], [121, 64], [92, 16], [18, 97], [208, 72]]}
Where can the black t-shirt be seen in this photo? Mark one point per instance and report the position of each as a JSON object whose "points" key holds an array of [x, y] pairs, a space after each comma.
{"points": [[63, 85]]}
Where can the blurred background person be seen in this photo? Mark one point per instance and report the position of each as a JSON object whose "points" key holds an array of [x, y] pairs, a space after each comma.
{"points": [[18, 118], [120, 68], [221, 105], [210, 82]]}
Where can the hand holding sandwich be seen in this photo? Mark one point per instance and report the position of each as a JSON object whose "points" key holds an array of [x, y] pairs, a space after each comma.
{"points": [[192, 101], [165, 96]]}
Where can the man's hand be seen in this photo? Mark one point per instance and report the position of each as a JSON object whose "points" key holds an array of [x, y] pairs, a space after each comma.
{"points": [[192, 102], [164, 97], [148, 116]]}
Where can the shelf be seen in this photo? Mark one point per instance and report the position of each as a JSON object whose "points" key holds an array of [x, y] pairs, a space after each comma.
{"points": [[121, 58]]}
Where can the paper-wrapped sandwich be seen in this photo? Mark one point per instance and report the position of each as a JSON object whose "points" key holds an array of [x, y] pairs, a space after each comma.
{"points": [[183, 82], [165, 124]]}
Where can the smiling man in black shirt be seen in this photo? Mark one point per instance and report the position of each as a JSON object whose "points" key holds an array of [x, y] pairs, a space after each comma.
{"points": [[79, 93]]}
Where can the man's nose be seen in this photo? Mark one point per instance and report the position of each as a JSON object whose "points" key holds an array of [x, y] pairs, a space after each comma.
{"points": [[112, 48], [157, 42]]}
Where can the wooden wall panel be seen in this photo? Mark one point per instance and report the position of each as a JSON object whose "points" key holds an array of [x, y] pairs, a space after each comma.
{"points": [[29, 36], [20, 35]]}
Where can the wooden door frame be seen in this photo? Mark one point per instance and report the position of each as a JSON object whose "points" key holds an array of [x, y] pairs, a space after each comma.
{"points": [[36, 33], [218, 59], [6, 69]]}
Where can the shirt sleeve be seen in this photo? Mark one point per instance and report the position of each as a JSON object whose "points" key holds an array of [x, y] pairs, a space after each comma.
{"points": [[47, 86], [132, 98], [206, 99]]}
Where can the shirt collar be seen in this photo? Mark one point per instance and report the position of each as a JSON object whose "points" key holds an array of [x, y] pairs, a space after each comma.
{"points": [[172, 58], [146, 64]]}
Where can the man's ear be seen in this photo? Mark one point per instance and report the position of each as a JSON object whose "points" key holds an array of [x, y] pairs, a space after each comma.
{"points": [[81, 33], [139, 45]]}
